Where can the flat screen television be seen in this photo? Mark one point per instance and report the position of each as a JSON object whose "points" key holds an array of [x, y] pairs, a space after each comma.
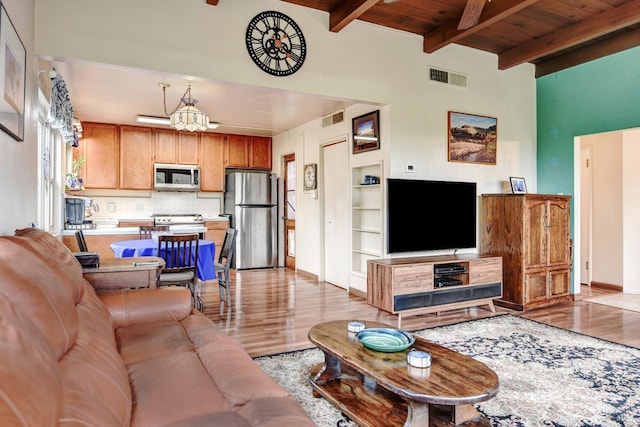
{"points": [[430, 215]]}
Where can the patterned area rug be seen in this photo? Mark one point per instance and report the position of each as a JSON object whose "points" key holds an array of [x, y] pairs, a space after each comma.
{"points": [[548, 376]]}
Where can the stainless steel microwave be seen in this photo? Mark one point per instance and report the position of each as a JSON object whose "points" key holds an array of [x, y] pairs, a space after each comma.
{"points": [[176, 177]]}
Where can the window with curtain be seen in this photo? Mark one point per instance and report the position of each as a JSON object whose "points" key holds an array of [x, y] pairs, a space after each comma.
{"points": [[50, 154]]}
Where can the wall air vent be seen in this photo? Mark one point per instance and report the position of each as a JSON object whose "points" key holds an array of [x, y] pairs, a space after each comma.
{"points": [[333, 119], [447, 77]]}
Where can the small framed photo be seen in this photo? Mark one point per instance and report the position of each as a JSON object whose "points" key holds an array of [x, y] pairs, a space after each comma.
{"points": [[366, 132], [518, 186]]}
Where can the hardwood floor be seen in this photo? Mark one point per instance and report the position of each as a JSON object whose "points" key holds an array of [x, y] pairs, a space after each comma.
{"points": [[273, 310]]}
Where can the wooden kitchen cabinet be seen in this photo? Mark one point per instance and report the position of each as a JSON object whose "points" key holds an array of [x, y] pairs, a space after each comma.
{"points": [[248, 152], [260, 152], [100, 145], [188, 148], [164, 141], [532, 234], [100, 243], [236, 153], [174, 147], [136, 158], [211, 162]]}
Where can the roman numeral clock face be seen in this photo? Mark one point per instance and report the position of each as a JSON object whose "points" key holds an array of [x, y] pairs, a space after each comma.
{"points": [[275, 43]]}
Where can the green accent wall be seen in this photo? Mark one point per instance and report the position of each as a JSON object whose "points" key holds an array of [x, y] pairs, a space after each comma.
{"points": [[599, 96]]}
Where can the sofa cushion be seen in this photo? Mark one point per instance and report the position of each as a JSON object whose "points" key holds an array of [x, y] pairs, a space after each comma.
{"points": [[172, 387], [58, 258], [39, 292], [30, 382]]}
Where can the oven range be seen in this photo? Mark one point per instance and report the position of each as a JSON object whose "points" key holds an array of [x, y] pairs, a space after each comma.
{"points": [[181, 223]]}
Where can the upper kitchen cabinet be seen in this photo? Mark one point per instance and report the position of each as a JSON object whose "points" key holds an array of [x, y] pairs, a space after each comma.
{"points": [[188, 148], [260, 152], [252, 152], [211, 162], [136, 154], [100, 145], [176, 147], [236, 153]]}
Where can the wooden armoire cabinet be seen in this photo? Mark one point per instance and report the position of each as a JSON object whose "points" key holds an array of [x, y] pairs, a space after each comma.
{"points": [[531, 232]]}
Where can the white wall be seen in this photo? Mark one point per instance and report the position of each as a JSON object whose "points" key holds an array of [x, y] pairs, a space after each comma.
{"points": [[631, 211], [606, 167], [380, 66], [18, 165], [615, 203]]}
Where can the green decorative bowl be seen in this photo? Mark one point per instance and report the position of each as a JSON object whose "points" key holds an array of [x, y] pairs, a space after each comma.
{"points": [[386, 340]]}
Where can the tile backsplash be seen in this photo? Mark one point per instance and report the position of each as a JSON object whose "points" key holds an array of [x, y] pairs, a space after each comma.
{"points": [[144, 204]]}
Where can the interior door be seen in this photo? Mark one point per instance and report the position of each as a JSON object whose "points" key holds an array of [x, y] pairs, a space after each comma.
{"points": [[336, 213]]}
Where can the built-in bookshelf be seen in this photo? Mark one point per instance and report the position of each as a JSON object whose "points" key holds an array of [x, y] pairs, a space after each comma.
{"points": [[366, 219]]}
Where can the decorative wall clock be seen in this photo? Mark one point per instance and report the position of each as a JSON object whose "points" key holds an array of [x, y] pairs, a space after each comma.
{"points": [[310, 177], [276, 43]]}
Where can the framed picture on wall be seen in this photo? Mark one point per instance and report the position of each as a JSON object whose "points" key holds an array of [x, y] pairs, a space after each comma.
{"points": [[13, 58], [366, 132], [472, 138]]}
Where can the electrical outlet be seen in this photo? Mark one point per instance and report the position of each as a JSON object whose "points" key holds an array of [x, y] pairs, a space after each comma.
{"points": [[409, 168]]}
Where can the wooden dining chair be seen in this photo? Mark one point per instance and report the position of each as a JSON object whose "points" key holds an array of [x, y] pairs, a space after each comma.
{"points": [[144, 231], [180, 254], [224, 263]]}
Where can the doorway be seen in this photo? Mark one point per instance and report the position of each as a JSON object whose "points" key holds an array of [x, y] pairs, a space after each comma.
{"points": [[335, 179], [585, 215], [290, 211]]}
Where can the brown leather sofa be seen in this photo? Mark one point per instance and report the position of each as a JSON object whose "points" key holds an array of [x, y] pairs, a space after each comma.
{"points": [[131, 357]]}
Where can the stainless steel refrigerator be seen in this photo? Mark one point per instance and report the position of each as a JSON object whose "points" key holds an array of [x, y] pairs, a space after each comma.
{"points": [[251, 200]]}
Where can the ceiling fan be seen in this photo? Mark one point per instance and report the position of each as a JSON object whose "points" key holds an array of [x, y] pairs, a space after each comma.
{"points": [[471, 14]]}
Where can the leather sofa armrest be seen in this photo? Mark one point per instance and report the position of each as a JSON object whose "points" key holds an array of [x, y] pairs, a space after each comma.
{"points": [[133, 306]]}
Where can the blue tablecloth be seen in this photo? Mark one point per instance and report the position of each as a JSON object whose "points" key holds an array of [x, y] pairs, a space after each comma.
{"points": [[147, 247]]}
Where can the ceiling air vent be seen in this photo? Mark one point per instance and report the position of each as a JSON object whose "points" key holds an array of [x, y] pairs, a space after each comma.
{"points": [[333, 119], [447, 77]]}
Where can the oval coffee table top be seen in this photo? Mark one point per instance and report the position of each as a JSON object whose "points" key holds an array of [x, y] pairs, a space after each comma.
{"points": [[452, 378]]}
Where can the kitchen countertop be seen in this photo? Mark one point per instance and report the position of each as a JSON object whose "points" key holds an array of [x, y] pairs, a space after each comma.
{"points": [[110, 230]]}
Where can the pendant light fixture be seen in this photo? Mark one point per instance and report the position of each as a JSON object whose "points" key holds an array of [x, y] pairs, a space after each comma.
{"points": [[185, 117]]}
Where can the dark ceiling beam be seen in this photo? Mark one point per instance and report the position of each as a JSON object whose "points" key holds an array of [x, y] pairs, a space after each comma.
{"points": [[493, 12], [213, 2], [471, 14], [589, 53], [602, 24], [347, 12]]}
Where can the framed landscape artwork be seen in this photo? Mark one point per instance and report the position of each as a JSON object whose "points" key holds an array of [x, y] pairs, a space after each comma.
{"points": [[13, 57], [472, 138], [366, 132]]}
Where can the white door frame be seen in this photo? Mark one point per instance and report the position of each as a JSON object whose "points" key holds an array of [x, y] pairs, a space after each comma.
{"points": [[585, 212]]}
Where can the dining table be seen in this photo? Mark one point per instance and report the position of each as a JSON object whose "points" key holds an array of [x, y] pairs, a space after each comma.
{"points": [[149, 247]]}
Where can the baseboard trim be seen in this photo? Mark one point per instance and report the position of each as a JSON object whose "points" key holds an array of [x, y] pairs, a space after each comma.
{"points": [[603, 285], [307, 275], [358, 293]]}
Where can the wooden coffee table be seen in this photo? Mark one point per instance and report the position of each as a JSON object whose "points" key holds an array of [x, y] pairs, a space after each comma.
{"points": [[375, 388]]}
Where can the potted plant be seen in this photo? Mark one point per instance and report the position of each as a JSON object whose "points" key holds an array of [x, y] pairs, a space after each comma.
{"points": [[73, 181]]}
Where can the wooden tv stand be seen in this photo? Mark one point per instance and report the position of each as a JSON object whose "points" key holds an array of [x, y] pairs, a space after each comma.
{"points": [[412, 286]]}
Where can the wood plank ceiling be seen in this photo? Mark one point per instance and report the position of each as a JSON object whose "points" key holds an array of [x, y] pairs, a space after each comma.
{"points": [[552, 34]]}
